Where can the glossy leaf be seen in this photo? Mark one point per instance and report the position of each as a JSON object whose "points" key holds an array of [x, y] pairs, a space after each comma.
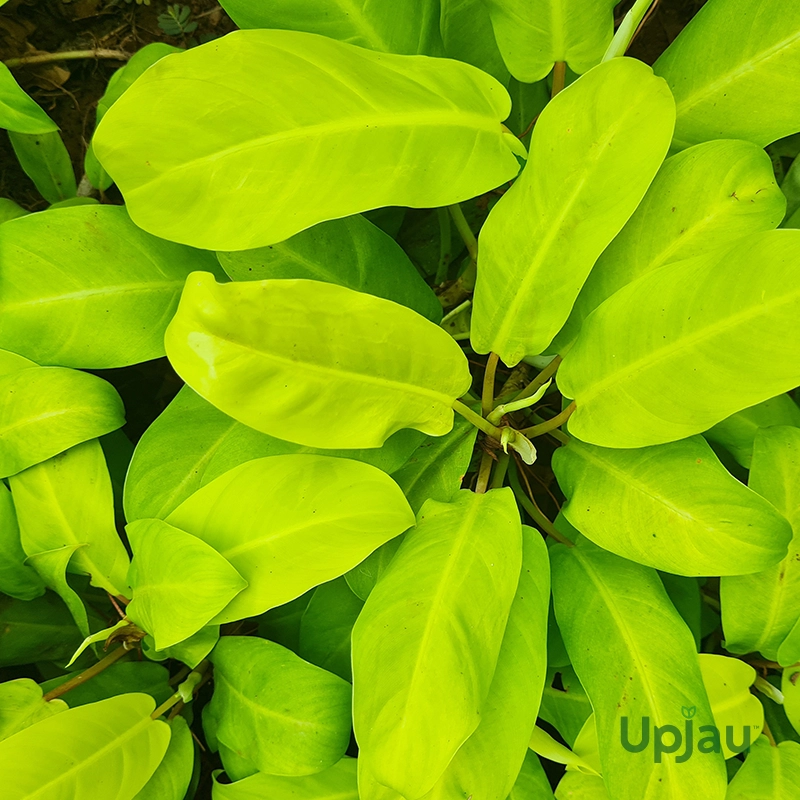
{"points": [[18, 112], [426, 645], [45, 160], [171, 779], [617, 622], [543, 744], [288, 523], [531, 783], [333, 368], [285, 715], [672, 506], [349, 252], [586, 174], [760, 611], [467, 35], [46, 410], [660, 359], [17, 578], [701, 199], [380, 119], [22, 705], [732, 70], [84, 287], [107, 749], [769, 773], [179, 583], [534, 34]]}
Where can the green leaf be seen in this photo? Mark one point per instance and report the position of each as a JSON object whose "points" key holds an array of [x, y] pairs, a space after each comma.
{"points": [[17, 578], [335, 783], [179, 583], [332, 368], [191, 443], [488, 763], [363, 577], [106, 749], [66, 501], [527, 102], [618, 622], [701, 199], [760, 611], [171, 779], [282, 624], [45, 160], [661, 359], [22, 705], [10, 210], [673, 507], [578, 786], [84, 287], [566, 708], [46, 410], [18, 112], [326, 627], [426, 645], [685, 595], [586, 173], [191, 651], [409, 27], [285, 715], [534, 34], [733, 71], [467, 35], [531, 783], [94, 638], [769, 773], [288, 523], [377, 122], [546, 746], [349, 252]]}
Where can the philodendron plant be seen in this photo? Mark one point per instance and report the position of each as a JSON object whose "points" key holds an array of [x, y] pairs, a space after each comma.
{"points": [[487, 451]]}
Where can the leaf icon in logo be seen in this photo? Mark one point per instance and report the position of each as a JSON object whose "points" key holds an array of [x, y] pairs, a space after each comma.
{"points": [[688, 711]]}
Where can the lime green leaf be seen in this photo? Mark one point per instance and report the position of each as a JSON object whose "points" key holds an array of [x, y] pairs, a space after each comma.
{"points": [[171, 779], [760, 611], [685, 595], [534, 34], [377, 122], [617, 622], [320, 364], [531, 783], [45, 160], [661, 359], [288, 523], [94, 638], [46, 410], [673, 507], [179, 583], [106, 749], [733, 71], [426, 645], [586, 173], [84, 287], [566, 708], [66, 501], [769, 773], [326, 627], [546, 746], [335, 783], [10, 210], [701, 199], [467, 35], [579, 786], [363, 577], [17, 578], [349, 252], [488, 763], [409, 26], [22, 705], [790, 688], [285, 715], [369, 788], [191, 651], [18, 112]]}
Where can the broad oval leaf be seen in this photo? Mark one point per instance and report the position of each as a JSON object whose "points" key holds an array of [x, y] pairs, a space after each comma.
{"points": [[107, 749], [534, 34], [661, 359], [733, 71], [171, 779], [179, 583], [45, 160], [426, 645], [587, 171], [701, 199], [191, 442], [672, 506], [637, 660], [288, 523], [18, 112], [46, 410], [357, 130], [17, 579], [320, 364], [768, 773], [84, 287], [22, 705], [349, 252], [467, 35], [283, 714]]}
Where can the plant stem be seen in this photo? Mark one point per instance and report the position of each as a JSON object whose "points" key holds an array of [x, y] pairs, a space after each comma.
{"points": [[487, 398], [69, 55], [628, 28], [500, 471], [201, 675], [477, 420], [483, 473], [455, 312], [445, 246], [541, 379], [559, 77], [529, 504], [551, 424], [87, 674], [462, 226]]}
